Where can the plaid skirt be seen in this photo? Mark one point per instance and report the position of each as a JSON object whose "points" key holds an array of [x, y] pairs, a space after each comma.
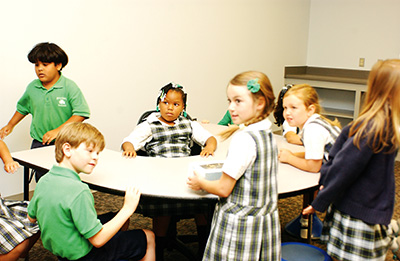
{"points": [[155, 207], [348, 238], [14, 224], [243, 237]]}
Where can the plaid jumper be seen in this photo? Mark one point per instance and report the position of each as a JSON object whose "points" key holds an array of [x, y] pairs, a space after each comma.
{"points": [[170, 141], [245, 225], [14, 224], [334, 132]]}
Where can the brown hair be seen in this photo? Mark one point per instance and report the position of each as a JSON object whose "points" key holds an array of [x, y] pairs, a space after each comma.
{"points": [[379, 120], [76, 133], [265, 91], [309, 96]]}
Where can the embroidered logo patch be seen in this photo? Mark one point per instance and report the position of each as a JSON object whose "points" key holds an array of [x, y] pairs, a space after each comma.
{"points": [[62, 101]]}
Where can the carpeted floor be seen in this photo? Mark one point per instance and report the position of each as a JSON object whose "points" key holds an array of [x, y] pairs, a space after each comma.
{"points": [[289, 208]]}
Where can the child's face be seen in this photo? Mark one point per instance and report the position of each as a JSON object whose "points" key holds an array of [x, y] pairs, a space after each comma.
{"points": [[242, 106], [82, 159], [48, 73], [171, 107], [295, 111]]}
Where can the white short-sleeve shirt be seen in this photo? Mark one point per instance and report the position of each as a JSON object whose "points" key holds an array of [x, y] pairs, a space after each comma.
{"points": [[315, 137], [142, 132], [242, 150]]}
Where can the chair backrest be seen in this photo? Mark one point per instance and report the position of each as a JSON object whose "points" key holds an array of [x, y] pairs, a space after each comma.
{"points": [[195, 148]]}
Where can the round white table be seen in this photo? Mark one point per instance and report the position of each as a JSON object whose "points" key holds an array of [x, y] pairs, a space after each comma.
{"points": [[164, 177]]}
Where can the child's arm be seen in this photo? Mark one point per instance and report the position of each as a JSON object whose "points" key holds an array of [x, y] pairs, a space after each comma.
{"points": [[293, 138], [10, 165], [52, 134], [222, 187], [211, 145], [128, 150], [286, 156], [132, 196], [308, 210], [32, 220], [15, 119]]}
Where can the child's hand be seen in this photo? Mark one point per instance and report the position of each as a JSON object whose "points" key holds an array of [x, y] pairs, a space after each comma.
{"points": [[11, 167], [129, 153], [132, 197], [193, 181], [5, 131], [207, 152], [308, 210], [49, 136], [211, 146], [284, 155]]}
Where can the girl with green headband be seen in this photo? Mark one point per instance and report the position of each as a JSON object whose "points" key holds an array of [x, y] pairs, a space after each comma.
{"points": [[247, 212]]}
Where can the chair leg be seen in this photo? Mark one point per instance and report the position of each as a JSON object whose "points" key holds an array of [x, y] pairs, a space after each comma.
{"points": [[160, 246]]}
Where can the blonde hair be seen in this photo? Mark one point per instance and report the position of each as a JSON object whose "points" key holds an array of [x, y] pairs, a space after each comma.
{"points": [[379, 120], [76, 133], [309, 96], [265, 91]]}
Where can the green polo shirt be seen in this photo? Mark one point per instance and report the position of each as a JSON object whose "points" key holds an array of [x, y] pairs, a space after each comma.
{"points": [[51, 108], [64, 209]]}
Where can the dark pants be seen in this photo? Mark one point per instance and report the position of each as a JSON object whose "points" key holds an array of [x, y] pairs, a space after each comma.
{"points": [[38, 174], [125, 245]]}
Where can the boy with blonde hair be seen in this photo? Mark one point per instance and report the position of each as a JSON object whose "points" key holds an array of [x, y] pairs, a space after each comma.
{"points": [[64, 206]]}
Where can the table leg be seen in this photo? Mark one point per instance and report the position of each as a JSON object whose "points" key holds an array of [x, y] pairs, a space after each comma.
{"points": [[26, 183]]}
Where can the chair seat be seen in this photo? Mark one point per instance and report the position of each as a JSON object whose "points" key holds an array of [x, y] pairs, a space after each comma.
{"points": [[296, 251]]}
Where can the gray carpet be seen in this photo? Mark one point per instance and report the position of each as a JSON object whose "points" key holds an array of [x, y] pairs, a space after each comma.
{"points": [[289, 208]]}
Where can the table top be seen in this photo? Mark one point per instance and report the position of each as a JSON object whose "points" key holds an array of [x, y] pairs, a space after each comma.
{"points": [[164, 177]]}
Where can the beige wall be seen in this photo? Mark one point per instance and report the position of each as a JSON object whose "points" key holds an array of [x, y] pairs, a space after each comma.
{"points": [[122, 52]]}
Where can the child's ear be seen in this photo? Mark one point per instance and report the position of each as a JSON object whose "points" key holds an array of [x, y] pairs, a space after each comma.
{"points": [[261, 103], [311, 109], [58, 66], [66, 148]]}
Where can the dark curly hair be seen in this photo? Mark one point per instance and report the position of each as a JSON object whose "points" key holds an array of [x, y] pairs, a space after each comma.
{"points": [[278, 112], [175, 88]]}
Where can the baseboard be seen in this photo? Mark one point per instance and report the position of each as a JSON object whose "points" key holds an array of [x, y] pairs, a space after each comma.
{"points": [[19, 196]]}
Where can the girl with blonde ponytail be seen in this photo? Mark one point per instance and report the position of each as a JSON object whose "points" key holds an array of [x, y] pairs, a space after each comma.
{"points": [[302, 109], [246, 214], [265, 91]]}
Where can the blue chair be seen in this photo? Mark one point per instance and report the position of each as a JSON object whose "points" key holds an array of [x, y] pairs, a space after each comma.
{"points": [[296, 251], [294, 227]]}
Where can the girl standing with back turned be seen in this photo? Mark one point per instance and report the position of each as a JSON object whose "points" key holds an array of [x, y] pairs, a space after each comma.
{"points": [[357, 183], [245, 224]]}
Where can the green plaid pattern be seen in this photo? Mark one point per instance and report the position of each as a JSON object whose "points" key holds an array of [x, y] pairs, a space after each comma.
{"points": [[14, 224], [245, 225], [352, 239], [170, 141]]}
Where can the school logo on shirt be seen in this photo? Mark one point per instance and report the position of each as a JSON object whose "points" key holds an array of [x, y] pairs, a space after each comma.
{"points": [[62, 101]]}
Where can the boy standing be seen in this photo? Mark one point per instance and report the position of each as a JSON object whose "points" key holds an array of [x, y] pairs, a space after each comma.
{"points": [[64, 206], [53, 100]]}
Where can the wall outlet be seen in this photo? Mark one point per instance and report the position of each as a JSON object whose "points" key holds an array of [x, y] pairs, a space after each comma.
{"points": [[361, 62]]}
